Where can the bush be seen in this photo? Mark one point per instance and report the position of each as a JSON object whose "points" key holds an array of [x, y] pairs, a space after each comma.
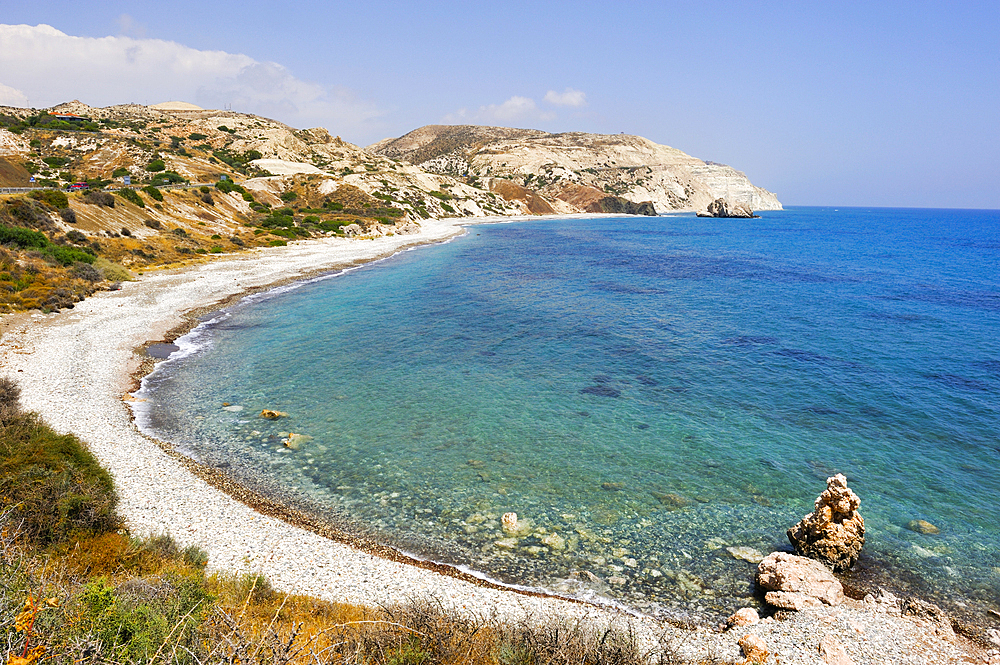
{"points": [[100, 199], [112, 272], [68, 215], [67, 256], [248, 197], [76, 237], [87, 272], [156, 166], [288, 197], [207, 198], [153, 224], [131, 196], [52, 197], [23, 238], [126, 232], [153, 192], [60, 489], [277, 243], [120, 172], [204, 189]]}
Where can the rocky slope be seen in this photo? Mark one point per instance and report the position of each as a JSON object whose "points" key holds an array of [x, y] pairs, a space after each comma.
{"points": [[574, 172]]}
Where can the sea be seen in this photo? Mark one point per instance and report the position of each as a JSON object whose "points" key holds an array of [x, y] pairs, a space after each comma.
{"points": [[658, 399]]}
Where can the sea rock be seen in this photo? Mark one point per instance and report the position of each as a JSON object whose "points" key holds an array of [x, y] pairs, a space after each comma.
{"points": [[555, 541], [833, 652], [754, 648], [788, 573], [745, 553], [745, 616], [923, 526], [509, 521], [835, 532], [272, 415], [795, 601], [294, 441], [930, 613], [723, 208]]}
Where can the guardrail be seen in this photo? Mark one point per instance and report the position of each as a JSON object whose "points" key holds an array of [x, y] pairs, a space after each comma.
{"points": [[192, 185]]}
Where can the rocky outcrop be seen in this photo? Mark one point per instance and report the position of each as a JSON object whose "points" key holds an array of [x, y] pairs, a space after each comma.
{"points": [[723, 208], [576, 167], [834, 532], [794, 582], [619, 206]]}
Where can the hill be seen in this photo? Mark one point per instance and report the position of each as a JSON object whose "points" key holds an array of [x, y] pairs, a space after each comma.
{"points": [[575, 171]]}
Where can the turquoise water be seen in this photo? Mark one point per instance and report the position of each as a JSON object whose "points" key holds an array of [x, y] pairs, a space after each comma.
{"points": [[645, 393]]}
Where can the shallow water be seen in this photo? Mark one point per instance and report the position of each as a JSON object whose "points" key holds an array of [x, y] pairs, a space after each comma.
{"points": [[643, 392]]}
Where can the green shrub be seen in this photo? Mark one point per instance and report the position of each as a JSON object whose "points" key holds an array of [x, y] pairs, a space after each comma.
{"points": [[68, 215], [57, 485], [195, 136], [120, 172], [23, 238], [156, 165], [131, 196], [52, 197], [248, 197], [56, 162], [168, 178], [153, 192], [277, 243], [215, 250], [288, 197], [67, 256], [76, 237]]}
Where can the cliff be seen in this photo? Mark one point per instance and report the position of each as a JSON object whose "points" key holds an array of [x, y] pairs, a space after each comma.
{"points": [[572, 171]]}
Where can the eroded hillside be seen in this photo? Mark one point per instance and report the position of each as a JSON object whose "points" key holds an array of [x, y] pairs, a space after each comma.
{"points": [[575, 171]]}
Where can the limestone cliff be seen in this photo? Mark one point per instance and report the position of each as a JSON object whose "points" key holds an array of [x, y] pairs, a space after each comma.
{"points": [[573, 170]]}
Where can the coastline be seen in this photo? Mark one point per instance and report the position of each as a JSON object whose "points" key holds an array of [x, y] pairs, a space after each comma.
{"points": [[75, 367]]}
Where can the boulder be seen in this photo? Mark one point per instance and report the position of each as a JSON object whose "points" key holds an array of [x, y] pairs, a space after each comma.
{"points": [[790, 574], [922, 526], [745, 616], [795, 601], [834, 533], [509, 521], [723, 208], [754, 648], [272, 415]]}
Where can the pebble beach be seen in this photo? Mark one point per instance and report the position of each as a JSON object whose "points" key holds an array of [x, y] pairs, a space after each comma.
{"points": [[76, 368]]}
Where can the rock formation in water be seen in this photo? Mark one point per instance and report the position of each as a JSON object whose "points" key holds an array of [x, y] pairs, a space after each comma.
{"points": [[834, 533], [795, 582], [723, 208]]}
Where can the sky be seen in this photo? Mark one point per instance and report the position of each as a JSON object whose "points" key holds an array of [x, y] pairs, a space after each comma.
{"points": [[851, 103]]}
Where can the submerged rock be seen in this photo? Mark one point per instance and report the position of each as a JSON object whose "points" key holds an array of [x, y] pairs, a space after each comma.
{"points": [[922, 526], [834, 533], [793, 582], [509, 521], [272, 415]]}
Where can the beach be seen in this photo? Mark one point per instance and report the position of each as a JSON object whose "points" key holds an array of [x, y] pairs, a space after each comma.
{"points": [[76, 368]]}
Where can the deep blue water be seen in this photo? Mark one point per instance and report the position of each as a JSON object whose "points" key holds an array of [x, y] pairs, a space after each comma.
{"points": [[643, 392]]}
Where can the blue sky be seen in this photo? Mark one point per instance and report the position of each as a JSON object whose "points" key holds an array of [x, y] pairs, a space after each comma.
{"points": [[881, 104]]}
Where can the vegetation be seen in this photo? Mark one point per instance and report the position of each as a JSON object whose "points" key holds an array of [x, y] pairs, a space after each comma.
{"points": [[153, 193], [131, 196]]}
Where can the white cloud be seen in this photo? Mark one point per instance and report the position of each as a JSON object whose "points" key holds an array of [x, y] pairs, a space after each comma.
{"points": [[569, 97], [11, 97], [49, 67], [129, 26], [514, 110]]}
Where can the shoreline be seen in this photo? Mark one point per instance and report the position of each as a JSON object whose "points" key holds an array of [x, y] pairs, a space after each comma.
{"points": [[74, 368]]}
